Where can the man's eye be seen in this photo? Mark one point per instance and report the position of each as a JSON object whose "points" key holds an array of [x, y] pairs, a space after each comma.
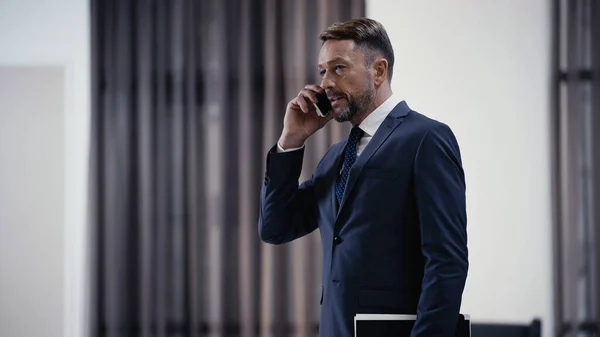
{"points": [[339, 67], [322, 72]]}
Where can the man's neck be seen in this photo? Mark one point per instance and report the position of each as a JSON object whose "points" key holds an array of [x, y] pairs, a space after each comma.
{"points": [[381, 96]]}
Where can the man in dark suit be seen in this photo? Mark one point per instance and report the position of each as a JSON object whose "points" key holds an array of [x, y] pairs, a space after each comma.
{"points": [[389, 201]]}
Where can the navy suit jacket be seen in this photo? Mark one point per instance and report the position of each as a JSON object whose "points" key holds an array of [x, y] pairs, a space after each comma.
{"points": [[397, 243]]}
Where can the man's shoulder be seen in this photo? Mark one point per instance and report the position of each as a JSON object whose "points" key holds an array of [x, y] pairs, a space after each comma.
{"points": [[420, 124]]}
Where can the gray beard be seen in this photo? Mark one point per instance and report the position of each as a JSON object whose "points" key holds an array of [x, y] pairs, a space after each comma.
{"points": [[355, 107]]}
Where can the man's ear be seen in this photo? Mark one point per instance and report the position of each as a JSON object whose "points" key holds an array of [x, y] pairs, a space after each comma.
{"points": [[380, 69]]}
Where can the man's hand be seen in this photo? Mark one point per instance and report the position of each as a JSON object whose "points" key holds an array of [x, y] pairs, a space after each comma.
{"points": [[301, 119]]}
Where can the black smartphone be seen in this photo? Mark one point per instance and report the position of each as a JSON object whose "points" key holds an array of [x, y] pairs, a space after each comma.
{"points": [[323, 104]]}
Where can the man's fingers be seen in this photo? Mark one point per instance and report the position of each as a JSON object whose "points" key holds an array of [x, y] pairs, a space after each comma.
{"points": [[313, 87], [310, 95], [307, 97], [301, 101]]}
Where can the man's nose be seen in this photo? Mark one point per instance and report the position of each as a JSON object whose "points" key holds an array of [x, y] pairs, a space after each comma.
{"points": [[326, 82]]}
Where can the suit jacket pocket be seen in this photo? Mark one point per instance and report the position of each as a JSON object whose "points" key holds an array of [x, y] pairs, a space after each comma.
{"points": [[381, 173], [386, 299]]}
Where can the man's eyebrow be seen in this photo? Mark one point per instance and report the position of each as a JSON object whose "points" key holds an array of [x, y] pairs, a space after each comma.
{"points": [[337, 59]]}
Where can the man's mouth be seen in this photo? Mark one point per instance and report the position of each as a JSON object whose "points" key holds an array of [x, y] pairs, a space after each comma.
{"points": [[333, 99]]}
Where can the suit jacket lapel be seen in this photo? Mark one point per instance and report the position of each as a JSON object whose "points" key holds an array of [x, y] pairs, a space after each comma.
{"points": [[386, 128]]}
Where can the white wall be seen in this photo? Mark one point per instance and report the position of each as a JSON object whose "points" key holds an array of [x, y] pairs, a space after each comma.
{"points": [[483, 67], [42, 33]]}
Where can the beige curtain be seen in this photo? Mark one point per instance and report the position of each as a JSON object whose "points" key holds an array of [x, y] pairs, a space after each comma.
{"points": [[187, 98]]}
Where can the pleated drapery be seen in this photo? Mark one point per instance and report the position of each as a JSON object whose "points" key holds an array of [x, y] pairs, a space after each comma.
{"points": [[576, 121], [187, 98]]}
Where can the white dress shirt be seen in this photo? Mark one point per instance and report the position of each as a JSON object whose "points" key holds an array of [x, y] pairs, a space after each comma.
{"points": [[369, 125]]}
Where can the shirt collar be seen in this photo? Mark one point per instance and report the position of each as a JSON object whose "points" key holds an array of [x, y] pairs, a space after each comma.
{"points": [[372, 122]]}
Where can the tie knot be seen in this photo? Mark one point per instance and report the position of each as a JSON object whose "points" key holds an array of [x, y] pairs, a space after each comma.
{"points": [[356, 134]]}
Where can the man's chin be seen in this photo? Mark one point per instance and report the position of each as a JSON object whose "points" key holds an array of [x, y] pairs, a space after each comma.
{"points": [[340, 119], [342, 115]]}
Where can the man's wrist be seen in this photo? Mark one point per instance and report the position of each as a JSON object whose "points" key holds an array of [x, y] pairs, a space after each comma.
{"points": [[287, 142], [280, 148]]}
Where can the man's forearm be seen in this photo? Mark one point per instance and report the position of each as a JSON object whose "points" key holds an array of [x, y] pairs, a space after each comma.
{"points": [[287, 211]]}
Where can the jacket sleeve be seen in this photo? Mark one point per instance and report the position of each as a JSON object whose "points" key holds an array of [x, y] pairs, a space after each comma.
{"points": [[287, 211], [440, 195]]}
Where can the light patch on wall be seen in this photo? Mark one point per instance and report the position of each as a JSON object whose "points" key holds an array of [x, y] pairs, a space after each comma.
{"points": [[32, 200]]}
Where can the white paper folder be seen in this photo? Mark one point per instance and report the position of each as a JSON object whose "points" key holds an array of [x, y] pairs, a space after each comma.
{"points": [[386, 325]]}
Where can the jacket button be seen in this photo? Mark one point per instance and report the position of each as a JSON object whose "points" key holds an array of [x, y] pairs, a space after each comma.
{"points": [[337, 240]]}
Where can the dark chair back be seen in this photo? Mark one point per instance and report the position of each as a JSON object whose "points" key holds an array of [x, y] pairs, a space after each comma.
{"points": [[507, 330]]}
